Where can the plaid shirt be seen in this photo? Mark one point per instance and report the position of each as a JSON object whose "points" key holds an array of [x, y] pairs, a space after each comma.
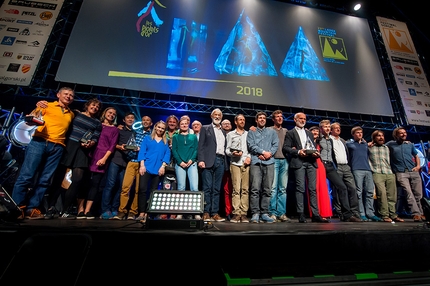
{"points": [[140, 135], [379, 159]]}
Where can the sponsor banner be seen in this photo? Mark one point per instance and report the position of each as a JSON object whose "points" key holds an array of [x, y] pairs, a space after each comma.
{"points": [[25, 27], [407, 69]]}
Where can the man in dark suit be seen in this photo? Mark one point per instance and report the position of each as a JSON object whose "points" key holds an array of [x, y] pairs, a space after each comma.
{"points": [[211, 159], [302, 153]]}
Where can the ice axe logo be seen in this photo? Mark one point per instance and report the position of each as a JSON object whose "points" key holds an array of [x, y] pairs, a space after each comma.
{"points": [[149, 9]]}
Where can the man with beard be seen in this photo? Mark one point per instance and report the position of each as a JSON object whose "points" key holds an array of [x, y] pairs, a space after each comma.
{"points": [[300, 148], [262, 145], [405, 163], [211, 159], [383, 177]]}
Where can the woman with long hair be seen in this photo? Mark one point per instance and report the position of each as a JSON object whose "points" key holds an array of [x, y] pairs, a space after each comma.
{"points": [[153, 157], [99, 163]]}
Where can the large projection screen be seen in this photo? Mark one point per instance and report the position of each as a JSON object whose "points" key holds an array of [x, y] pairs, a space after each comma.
{"points": [[257, 51]]}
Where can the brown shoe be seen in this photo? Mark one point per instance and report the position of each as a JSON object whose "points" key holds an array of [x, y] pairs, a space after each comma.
{"points": [[206, 217], [417, 218], [354, 219], [244, 219], [34, 214], [423, 218], [216, 217], [397, 219], [387, 219], [235, 218]]}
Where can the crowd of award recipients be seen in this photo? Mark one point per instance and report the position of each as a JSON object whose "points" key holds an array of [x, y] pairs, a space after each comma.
{"points": [[83, 164]]}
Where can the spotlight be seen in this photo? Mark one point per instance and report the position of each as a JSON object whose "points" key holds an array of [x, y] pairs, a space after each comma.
{"points": [[175, 202], [357, 7]]}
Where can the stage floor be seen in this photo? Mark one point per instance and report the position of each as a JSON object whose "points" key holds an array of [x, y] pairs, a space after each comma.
{"points": [[191, 252]]}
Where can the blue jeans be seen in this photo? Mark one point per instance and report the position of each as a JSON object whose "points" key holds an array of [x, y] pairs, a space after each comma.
{"points": [[278, 198], [261, 181], [193, 177], [211, 183], [41, 159], [110, 196], [365, 187]]}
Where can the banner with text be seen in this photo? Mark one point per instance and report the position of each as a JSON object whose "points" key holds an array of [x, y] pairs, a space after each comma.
{"points": [[25, 27], [410, 78]]}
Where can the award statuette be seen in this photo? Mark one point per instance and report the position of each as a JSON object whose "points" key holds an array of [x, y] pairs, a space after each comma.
{"points": [[131, 144], [87, 137], [310, 148], [34, 120], [236, 146]]}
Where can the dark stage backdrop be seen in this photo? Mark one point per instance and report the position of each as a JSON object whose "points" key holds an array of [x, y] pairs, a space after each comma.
{"points": [[257, 51]]}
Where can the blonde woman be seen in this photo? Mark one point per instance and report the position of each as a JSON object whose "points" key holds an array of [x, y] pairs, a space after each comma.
{"points": [[153, 157]]}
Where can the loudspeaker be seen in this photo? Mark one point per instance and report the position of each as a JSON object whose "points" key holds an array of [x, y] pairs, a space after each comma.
{"points": [[8, 208]]}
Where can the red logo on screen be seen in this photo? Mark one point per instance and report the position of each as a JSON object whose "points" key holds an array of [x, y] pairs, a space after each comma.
{"points": [[398, 67]]}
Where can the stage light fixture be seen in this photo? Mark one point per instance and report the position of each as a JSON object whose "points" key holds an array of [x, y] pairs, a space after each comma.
{"points": [[176, 202], [357, 7]]}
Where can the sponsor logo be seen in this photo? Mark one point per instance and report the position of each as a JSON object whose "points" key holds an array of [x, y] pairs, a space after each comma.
{"points": [[401, 80], [25, 22], [47, 15], [28, 13], [408, 82], [398, 67], [25, 68], [34, 44], [33, 4], [426, 93], [13, 30], [25, 32], [7, 20], [410, 76], [418, 112], [25, 57], [13, 67], [412, 111], [419, 103], [12, 11], [412, 91], [2, 26], [7, 54], [42, 24], [417, 70], [400, 74], [427, 113], [408, 69], [8, 41], [20, 42], [38, 33]]}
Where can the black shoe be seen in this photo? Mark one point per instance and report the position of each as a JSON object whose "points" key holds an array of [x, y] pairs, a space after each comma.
{"points": [[89, 215], [302, 219], [67, 215], [51, 213], [81, 215], [354, 219], [320, 219]]}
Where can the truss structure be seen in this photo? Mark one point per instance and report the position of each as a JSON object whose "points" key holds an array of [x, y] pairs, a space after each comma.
{"points": [[44, 86]]}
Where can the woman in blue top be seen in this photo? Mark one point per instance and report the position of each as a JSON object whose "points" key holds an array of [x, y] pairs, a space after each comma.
{"points": [[153, 157]]}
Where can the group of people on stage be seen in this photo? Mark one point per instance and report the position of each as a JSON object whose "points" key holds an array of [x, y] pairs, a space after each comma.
{"points": [[92, 167]]}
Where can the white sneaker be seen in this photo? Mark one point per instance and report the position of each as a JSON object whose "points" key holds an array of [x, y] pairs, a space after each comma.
{"points": [[179, 217], [197, 217]]}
